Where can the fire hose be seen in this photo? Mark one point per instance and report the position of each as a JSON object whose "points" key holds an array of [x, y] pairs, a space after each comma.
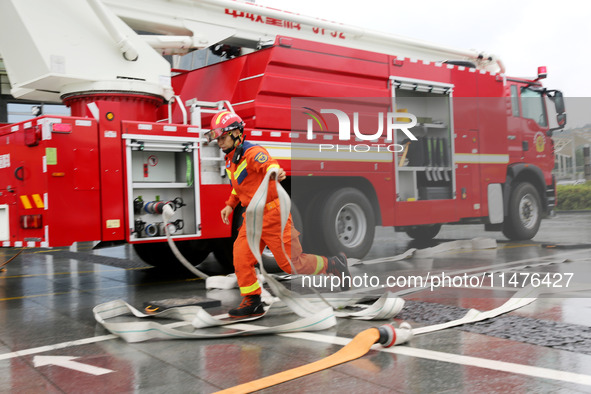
{"points": [[385, 335], [313, 316], [10, 259], [167, 213]]}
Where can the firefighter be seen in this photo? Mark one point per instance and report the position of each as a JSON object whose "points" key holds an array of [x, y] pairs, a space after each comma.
{"points": [[246, 166]]}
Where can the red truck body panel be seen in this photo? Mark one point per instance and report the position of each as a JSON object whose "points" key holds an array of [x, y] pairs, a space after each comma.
{"points": [[82, 175]]}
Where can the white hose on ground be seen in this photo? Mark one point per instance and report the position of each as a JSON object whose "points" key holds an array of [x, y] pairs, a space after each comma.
{"points": [[167, 213]]}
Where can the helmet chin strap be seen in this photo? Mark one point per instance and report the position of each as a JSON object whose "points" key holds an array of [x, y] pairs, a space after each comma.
{"points": [[239, 148], [236, 147], [227, 151], [236, 139]]}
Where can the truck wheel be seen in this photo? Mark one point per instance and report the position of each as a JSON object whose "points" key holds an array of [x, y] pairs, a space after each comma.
{"points": [[159, 254], [348, 223], [525, 213], [313, 242], [267, 257], [223, 252], [423, 233]]}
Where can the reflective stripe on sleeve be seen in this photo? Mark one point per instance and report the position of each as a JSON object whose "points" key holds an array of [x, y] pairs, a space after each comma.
{"points": [[239, 169], [272, 166], [240, 173]]}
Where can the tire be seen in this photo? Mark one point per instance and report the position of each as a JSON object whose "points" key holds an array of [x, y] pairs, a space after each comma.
{"points": [[423, 233], [313, 242], [525, 213], [223, 248], [298, 222], [159, 254], [348, 223], [223, 253]]}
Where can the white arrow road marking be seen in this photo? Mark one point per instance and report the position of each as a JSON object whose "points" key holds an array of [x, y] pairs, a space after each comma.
{"points": [[67, 362]]}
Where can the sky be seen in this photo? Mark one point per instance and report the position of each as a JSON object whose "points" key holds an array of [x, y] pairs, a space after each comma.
{"points": [[524, 34]]}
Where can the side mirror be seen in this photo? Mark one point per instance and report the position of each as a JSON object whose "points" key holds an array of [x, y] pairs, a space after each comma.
{"points": [[560, 109], [558, 100], [561, 119]]}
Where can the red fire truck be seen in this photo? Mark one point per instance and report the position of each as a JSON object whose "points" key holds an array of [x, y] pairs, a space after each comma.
{"points": [[457, 140]]}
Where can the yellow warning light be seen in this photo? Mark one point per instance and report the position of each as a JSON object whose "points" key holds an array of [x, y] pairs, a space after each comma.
{"points": [[110, 116]]}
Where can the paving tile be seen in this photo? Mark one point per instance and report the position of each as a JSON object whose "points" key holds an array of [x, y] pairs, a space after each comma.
{"points": [[52, 296], [20, 377]]}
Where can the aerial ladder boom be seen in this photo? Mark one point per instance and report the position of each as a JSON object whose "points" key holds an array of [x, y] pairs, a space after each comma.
{"points": [[61, 48], [246, 24], [53, 49]]}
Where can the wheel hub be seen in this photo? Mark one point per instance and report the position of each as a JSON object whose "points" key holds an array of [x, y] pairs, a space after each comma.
{"points": [[351, 225], [528, 211]]}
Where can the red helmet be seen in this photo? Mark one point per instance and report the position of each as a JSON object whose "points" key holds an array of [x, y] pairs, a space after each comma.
{"points": [[224, 122]]}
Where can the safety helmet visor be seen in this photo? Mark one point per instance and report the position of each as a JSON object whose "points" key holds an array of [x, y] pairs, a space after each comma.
{"points": [[218, 132], [214, 134]]}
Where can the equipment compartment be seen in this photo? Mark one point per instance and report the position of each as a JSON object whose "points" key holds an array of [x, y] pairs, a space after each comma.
{"points": [[162, 173], [424, 168]]}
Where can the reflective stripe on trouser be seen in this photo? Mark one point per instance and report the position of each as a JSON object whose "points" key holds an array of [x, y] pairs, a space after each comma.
{"points": [[244, 261]]}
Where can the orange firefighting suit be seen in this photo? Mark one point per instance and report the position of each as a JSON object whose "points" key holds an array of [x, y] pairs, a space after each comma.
{"points": [[246, 176]]}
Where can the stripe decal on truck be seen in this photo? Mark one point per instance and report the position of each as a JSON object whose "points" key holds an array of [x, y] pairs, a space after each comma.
{"points": [[26, 202], [481, 158], [36, 199]]}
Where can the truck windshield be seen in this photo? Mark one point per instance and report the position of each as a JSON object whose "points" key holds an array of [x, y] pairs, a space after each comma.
{"points": [[532, 106]]}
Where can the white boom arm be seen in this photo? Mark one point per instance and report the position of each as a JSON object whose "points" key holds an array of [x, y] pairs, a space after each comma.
{"points": [[209, 22], [59, 47]]}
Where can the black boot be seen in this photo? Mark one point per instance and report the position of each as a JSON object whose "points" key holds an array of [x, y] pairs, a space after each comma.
{"points": [[250, 306], [337, 266]]}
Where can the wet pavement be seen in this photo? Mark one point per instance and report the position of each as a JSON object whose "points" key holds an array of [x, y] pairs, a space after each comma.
{"points": [[47, 297]]}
